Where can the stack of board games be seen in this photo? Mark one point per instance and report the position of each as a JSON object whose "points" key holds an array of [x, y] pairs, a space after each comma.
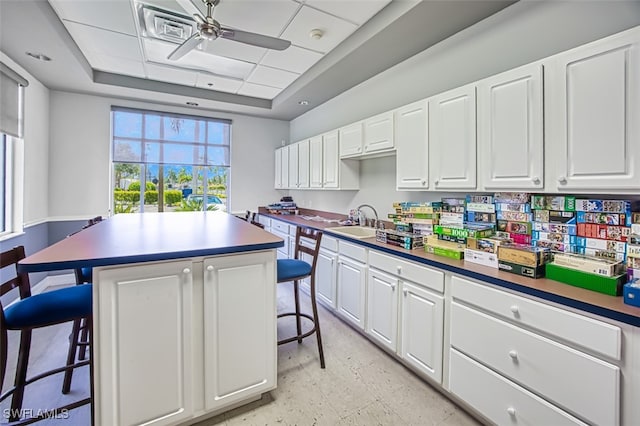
{"points": [[452, 212], [633, 250], [454, 238], [484, 251], [554, 219], [480, 210], [598, 274], [603, 227], [420, 215], [402, 236], [513, 216], [522, 259]]}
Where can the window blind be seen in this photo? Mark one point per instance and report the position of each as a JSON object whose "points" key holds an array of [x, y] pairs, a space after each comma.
{"points": [[163, 138], [11, 101]]}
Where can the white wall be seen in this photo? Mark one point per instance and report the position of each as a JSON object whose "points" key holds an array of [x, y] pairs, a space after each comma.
{"points": [[79, 160], [36, 147], [522, 33]]}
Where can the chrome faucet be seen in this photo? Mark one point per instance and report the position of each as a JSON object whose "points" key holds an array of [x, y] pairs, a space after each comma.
{"points": [[362, 219]]}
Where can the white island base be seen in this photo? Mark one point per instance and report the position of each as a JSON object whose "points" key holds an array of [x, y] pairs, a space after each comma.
{"points": [[178, 341]]}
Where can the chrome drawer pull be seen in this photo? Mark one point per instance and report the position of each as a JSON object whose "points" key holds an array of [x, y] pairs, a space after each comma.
{"points": [[186, 271], [210, 268], [513, 354], [515, 310], [511, 411]]}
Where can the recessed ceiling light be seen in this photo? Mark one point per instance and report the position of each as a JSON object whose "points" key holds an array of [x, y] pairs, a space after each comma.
{"points": [[39, 56], [303, 102], [192, 103]]}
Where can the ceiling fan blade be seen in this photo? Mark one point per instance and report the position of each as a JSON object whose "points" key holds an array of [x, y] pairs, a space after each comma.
{"points": [[186, 47], [199, 18], [254, 39]]}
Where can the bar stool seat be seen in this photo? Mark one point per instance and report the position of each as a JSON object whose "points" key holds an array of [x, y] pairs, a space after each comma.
{"points": [[49, 308], [295, 270]]}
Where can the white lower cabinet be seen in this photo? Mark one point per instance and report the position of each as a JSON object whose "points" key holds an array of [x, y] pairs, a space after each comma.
{"points": [[327, 272], [421, 329], [208, 333], [572, 380], [382, 308], [500, 400], [351, 284], [239, 338]]}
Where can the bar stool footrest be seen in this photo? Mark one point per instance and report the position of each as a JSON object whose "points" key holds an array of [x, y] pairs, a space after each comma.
{"points": [[301, 336]]}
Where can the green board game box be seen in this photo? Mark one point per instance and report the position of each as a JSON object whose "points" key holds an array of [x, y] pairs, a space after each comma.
{"points": [[607, 285]]}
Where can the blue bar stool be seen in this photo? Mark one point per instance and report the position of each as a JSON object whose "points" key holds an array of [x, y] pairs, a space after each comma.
{"points": [[31, 312], [296, 270]]}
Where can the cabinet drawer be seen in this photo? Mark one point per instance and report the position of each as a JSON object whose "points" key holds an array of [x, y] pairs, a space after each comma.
{"points": [[407, 270], [578, 382], [329, 243], [280, 226], [500, 400], [592, 334], [353, 251]]}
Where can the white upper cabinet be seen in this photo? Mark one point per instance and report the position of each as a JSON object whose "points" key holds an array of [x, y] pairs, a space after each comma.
{"points": [[330, 160], [284, 175], [278, 169], [378, 134], [412, 146], [452, 138], [510, 129], [303, 164], [293, 166], [351, 138], [315, 162], [592, 100]]}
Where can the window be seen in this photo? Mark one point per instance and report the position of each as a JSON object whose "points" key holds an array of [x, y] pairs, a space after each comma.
{"points": [[168, 162], [9, 221]]}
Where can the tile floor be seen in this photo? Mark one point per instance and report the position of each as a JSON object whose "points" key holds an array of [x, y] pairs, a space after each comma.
{"points": [[361, 385]]}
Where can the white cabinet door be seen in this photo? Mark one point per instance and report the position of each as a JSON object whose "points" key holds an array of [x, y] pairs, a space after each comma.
{"points": [[352, 278], [593, 105], [378, 133], [145, 306], [278, 169], [412, 146], [234, 333], [285, 167], [326, 273], [382, 308], [315, 162], [303, 164], [330, 160], [421, 341], [351, 138], [511, 129], [293, 166], [452, 139]]}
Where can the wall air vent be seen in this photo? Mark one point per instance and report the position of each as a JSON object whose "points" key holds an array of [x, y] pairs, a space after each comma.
{"points": [[165, 25]]}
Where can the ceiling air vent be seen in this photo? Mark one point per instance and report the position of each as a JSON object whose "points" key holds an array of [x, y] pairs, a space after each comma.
{"points": [[165, 25]]}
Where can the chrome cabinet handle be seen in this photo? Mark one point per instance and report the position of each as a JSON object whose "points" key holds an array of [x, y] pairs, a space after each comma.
{"points": [[513, 354], [562, 180], [515, 309], [424, 182], [536, 180], [186, 271], [399, 269], [359, 149], [405, 292], [511, 411], [210, 268]]}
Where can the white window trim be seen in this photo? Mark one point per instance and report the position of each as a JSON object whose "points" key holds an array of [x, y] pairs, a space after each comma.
{"points": [[15, 189]]}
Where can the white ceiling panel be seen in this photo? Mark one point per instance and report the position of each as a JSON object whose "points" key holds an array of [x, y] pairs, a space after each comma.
{"points": [[259, 16], [171, 75], [272, 77], [157, 51], [114, 15], [295, 59], [109, 43], [334, 30], [234, 50], [356, 11], [212, 82], [258, 91], [116, 65]]}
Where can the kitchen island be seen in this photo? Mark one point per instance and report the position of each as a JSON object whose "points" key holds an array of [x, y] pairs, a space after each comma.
{"points": [[184, 313]]}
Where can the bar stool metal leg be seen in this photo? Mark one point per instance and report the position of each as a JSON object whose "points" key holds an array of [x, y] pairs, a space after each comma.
{"points": [[21, 374], [316, 320], [296, 293]]}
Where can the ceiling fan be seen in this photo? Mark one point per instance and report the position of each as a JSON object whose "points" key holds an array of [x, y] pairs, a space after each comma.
{"points": [[210, 29]]}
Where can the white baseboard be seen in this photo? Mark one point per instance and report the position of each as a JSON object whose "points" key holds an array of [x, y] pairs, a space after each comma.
{"points": [[63, 280]]}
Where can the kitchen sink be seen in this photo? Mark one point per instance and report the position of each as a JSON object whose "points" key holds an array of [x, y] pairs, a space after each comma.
{"points": [[354, 231]]}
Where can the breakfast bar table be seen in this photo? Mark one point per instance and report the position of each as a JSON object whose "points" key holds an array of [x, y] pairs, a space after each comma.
{"points": [[184, 313]]}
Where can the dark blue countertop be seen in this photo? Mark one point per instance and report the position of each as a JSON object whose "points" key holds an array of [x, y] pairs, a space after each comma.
{"points": [[582, 299], [133, 238]]}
